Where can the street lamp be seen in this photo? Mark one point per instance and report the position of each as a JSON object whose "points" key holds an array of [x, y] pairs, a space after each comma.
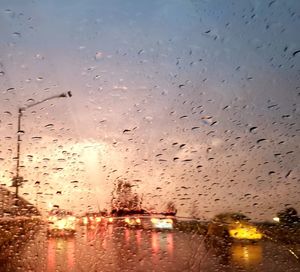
{"points": [[17, 179]]}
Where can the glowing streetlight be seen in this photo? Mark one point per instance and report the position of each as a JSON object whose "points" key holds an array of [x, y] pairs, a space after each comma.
{"points": [[17, 179]]}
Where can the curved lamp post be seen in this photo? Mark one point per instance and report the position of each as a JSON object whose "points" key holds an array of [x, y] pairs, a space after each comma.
{"points": [[17, 179]]}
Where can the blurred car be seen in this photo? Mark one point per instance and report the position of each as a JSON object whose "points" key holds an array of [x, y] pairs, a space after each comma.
{"points": [[92, 218], [61, 222], [110, 219], [230, 227], [162, 223], [133, 221]]}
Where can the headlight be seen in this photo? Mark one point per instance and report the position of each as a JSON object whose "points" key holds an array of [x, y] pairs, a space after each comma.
{"points": [[154, 220], [52, 218], [247, 233]]}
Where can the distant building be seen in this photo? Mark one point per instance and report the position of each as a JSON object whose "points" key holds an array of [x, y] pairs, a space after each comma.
{"points": [[10, 206]]}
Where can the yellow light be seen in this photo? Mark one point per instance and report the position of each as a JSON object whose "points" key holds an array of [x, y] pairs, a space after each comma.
{"points": [[61, 224], [127, 220], [247, 233], [98, 219], [52, 218], [276, 219], [138, 221], [85, 220], [110, 220], [154, 220]]}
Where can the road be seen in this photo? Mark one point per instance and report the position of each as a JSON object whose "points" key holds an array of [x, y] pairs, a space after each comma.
{"points": [[112, 248]]}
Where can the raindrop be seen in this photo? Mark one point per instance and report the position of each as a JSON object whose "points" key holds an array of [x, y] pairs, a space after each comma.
{"points": [[252, 129], [295, 53], [288, 173], [49, 126], [17, 34], [36, 138], [98, 55], [260, 140]]}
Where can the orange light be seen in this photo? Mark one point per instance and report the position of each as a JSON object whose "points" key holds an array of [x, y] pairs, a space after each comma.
{"points": [[127, 220], [245, 232], [138, 220]]}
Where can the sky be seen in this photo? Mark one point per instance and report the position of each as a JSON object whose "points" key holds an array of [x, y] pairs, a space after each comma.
{"points": [[195, 102]]}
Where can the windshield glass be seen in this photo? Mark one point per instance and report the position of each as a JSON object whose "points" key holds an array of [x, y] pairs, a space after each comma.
{"points": [[169, 130]]}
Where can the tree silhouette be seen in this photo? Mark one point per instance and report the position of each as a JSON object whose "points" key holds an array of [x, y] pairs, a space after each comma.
{"points": [[123, 198], [171, 208]]}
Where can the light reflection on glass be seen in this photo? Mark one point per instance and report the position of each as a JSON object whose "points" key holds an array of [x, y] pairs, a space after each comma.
{"points": [[138, 237], [60, 250], [71, 253], [170, 243], [246, 255], [51, 254], [127, 235], [110, 229], [154, 242]]}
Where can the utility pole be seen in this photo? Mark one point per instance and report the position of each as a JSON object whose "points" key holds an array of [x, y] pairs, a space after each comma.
{"points": [[18, 179]]}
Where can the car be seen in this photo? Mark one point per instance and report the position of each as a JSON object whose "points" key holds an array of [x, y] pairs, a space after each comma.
{"points": [[61, 222], [92, 218], [162, 223], [227, 228], [133, 221]]}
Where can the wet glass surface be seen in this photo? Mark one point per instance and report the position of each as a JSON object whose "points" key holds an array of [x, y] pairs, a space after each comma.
{"points": [[179, 119]]}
